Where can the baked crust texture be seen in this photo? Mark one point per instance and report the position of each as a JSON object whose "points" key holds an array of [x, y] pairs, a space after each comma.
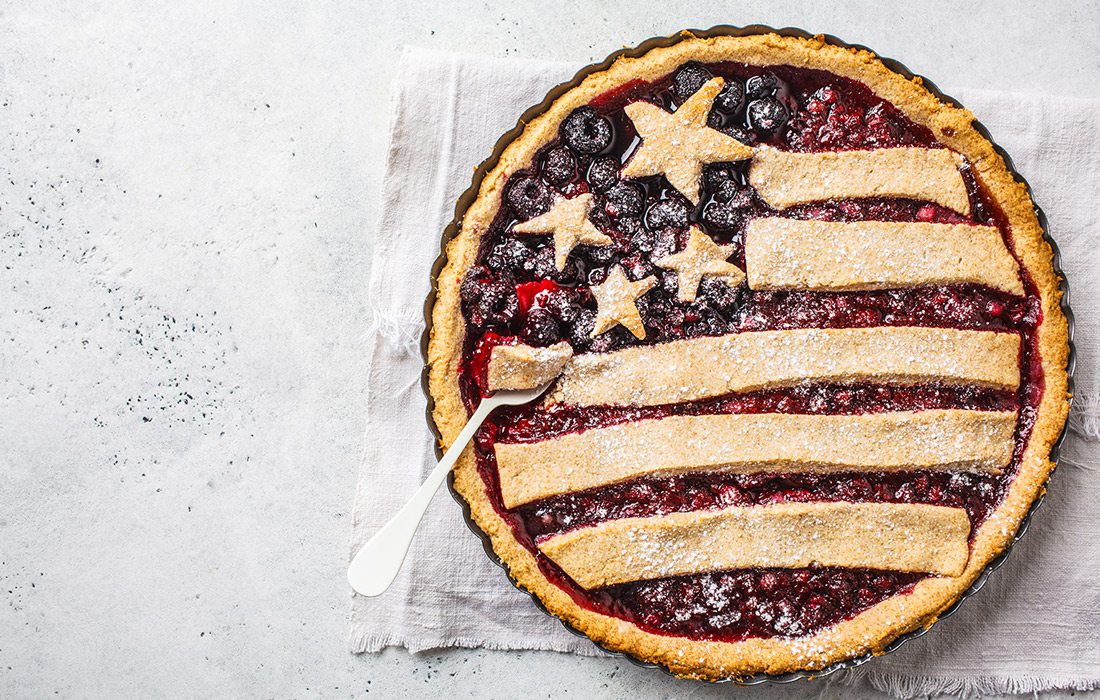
{"points": [[875, 628]]}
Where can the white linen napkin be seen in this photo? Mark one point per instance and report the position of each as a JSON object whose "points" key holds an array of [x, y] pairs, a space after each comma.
{"points": [[1036, 624]]}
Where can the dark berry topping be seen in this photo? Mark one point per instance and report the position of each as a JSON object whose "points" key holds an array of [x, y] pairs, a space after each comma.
{"points": [[563, 304], [603, 173], [509, 256], [559, 166], [722, 217], [731, 97], [667, 213], [624, 200], [717, 174], [585, 131], [735, 195], [528, 197], [656, 243], [761, 85], [687, 81], [767, 114], [743, 135], [489, 304], [541, 328]]}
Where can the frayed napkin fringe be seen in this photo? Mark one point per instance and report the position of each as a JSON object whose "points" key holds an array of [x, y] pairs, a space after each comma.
{"points": [[399, 328], [1084, 419], [372, 642], [907, 686]]}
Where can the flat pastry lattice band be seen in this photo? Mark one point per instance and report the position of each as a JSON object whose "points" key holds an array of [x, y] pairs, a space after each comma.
{"points": [[810, 357]]}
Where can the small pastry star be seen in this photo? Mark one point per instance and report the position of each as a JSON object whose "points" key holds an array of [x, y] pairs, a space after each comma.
{"points": [[615, 302], [679, 143], [702, 257], [568, 221]]}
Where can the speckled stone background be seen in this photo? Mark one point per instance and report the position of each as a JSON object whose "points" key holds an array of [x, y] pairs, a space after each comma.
{"points": [[186, 202]]}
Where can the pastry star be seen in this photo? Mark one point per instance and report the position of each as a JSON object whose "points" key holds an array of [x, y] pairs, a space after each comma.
{"points": [[615, 302], [702, 257], [568, 221], [679, 143]]}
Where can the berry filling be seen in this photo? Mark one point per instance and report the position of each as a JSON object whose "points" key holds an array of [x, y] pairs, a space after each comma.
{"points": [[515, 293]]}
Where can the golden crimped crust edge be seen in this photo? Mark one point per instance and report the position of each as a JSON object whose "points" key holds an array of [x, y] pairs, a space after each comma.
{"points": [[876, 627]]}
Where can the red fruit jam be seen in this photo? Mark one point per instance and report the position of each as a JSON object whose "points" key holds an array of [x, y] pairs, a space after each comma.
{"points": [[515, 293]]}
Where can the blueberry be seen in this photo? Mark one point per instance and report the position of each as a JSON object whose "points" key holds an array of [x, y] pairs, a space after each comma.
{"points": [[629, 226], [667, 213], [559, 166], [731, 97], [638, 267], [585, 131], [722, 217], [767, 114], [541, 328], [579, 334], [601, 255], [541, 264], [761, 85], [715, 175], [528, 197], [688, 79], [562, 305], [624, 200], [603, 173], [489, 302], [508, 256], [470, 291], [737, 196], [743, 135]]}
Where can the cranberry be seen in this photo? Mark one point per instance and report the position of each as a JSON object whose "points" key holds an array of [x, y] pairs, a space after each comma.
{"points": [[603, 173], [528, 197], [559, 166], [585, 131], [688, 79]]}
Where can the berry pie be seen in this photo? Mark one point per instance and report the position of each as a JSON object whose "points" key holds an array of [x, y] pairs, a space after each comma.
{"points": [[808, 356]]}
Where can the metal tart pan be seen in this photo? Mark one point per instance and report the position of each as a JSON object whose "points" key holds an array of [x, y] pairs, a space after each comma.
{"points": [[467, 198]]}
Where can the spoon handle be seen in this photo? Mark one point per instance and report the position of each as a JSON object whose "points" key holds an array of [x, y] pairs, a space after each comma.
{"points": [[375, 566]]}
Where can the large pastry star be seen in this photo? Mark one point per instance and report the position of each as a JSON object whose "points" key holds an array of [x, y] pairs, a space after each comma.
{"points": [[568, 221], [679, 143], [702, 257], [615, 302]]}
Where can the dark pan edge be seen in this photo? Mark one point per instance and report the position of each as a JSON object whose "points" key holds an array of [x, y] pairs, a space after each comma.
{"points": [[467, 198]]}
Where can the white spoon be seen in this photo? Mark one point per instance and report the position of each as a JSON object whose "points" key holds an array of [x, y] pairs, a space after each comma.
{"points": [[375, 566]]}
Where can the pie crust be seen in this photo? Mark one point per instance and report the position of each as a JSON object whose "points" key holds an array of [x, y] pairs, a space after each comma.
{"points": [[875, 627], [840, 256], [699, 368], [748, 443], [886, 536], [784, 179]]}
